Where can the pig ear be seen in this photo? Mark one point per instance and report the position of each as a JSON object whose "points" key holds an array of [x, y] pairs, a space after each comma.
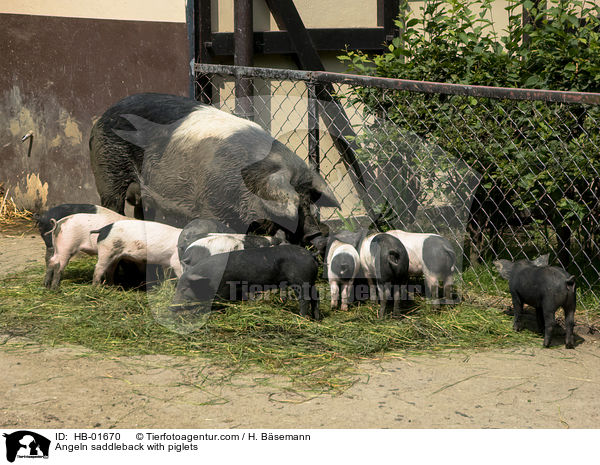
{"points": [[321, 194], [144, 130], [504, 268], [542, 260], [278, 197], [271, 184]]}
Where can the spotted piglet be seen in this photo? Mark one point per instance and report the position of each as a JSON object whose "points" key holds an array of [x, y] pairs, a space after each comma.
{"points": [[71, 235], [432, 257], [343, 264], [145, 242], [384, 262], [215, 243], [46, 221]]}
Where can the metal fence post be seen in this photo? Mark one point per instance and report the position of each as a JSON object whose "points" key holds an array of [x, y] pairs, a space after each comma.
{"points": [[313, 126]]}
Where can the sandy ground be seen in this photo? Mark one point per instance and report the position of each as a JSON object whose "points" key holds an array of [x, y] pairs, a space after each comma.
{"points": [[72, 387]]}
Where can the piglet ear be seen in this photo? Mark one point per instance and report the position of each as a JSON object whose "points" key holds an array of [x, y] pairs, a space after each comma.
{"points": [[542, 260], [504, 268], [321, 194]]}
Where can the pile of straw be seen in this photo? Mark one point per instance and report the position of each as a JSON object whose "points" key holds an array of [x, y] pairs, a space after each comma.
{"points": [[8, 209]]}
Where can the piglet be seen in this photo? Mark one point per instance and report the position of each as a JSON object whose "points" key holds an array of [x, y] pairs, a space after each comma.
{"points": [[145, 242], [231, 275], [384, 261], [343, 264], [70, 235], [543, 287], [430, 256], [215, 243], [197, 229], [46, 225]]}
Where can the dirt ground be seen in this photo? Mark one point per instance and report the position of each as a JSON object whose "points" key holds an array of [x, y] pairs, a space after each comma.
{"points": [[72, 387]]}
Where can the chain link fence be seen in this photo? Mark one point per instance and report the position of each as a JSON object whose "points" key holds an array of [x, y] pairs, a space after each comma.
{"points": [[504, 173]]}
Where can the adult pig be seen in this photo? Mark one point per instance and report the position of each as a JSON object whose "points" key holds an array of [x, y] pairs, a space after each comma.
{"points": [[546, 288], [194, 161]]}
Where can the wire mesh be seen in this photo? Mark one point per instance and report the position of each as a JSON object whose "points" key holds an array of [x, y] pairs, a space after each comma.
{"points": [[501, 177]]}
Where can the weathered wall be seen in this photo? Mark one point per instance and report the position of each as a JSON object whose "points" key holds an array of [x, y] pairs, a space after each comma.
{"points": [[59, 74]]}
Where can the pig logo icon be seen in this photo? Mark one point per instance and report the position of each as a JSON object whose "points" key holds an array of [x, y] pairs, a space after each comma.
{"points": [[26, 444]]}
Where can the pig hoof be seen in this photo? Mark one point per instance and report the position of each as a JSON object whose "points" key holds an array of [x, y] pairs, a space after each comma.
{"points": [[569, 345]]}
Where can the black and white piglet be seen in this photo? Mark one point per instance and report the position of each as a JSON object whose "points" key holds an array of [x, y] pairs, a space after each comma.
{"points": [[430, 256], [47, 220], [197, 229], [384, 262], [143, 242], [225, 275], [70, 235], [216, 243], [546, 288], [343, 264]]}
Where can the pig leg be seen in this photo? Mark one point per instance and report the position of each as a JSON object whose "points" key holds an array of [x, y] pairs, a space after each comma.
{"points": [[385, 294], [569, 325], [303, 301], [518, 309], [346, 289], [50, 269], [115, 198], [448, 285], [303, 306], [335, 294], [56, 265], [431, 288], [372, 289], [49, 253], [314, 302], [51, 266], [539, 316], [548, 323], [105, 269], [397, 300]]}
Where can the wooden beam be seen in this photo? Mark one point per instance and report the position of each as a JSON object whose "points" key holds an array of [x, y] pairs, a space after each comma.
{"points": [[243, 56], [331, 39], [391, 10], [288, 19]]}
